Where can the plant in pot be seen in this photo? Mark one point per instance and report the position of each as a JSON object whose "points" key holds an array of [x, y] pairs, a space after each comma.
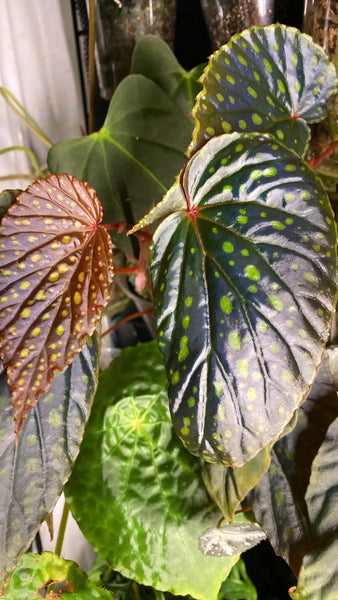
{"points": [[243, 281]]}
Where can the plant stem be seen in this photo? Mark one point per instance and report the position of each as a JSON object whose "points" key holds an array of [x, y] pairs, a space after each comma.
{"points": [[92, 26], [25, 117], [136, 591], [135, 315], [30, 155], [62, 529]]}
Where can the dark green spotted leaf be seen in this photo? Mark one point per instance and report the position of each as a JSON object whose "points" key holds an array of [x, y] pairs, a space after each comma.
{"points": [[49, 576], [149, 489], [244, 287], [33, 473], [133, 159], [153, 58], [318, 577], [267, 79], [280, 500]]}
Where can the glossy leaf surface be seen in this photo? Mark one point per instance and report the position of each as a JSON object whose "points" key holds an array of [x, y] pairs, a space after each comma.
{"points": [[56, 271], [133, 159], [33, 473], [38, 575], [244, 287], [266, 79], [132, 470], [281, 500]]}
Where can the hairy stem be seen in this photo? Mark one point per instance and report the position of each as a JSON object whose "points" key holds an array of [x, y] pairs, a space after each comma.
{"points": [[30, 155], [24, 116]]}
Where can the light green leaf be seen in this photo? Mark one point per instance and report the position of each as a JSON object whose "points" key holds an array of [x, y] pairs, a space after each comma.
{"points": [[149, 489], [33, 473], [38, 575]]}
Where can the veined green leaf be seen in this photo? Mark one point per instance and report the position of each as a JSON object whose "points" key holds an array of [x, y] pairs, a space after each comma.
{"points": [[245, 284], [266, 79], [149, 489], [41, 576]]}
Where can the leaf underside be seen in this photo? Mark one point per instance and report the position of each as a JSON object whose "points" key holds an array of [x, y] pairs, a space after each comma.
{"points": [[33, 472], [266, 79], [244, 287], [55, 273]]}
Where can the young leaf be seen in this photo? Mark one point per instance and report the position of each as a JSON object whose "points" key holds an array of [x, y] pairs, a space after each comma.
{"points": [[56, 269], [49, 576], [266, 79], [33, 473], [244, 283], [132, 471], [231, 539]]}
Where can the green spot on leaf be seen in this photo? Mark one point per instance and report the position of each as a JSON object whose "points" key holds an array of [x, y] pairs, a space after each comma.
{"points": [[226, 305], [276, 303], [252, 273], [234, 340]]}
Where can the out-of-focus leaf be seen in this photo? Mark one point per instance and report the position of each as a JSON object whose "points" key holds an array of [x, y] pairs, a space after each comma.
{"points": [[244, 282], [318, 577], [132, 470], [153, 58], [55, 274], [49, 576], [279, 501], [33, 473], [238, 586], [7, 198], [266, 79]]}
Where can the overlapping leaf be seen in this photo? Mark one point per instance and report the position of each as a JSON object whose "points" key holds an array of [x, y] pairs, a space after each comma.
{"points": [[153, 58], [318, 578], [49, 576], [244, 285], [135, 156], [280, 501], [33, 473], [132, 471], [56, 269], [266, 79]]}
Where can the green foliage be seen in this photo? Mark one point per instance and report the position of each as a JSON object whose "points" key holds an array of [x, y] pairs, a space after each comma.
{"points": [[34, 471], [36, 576], [244, 279], [132, 470]]}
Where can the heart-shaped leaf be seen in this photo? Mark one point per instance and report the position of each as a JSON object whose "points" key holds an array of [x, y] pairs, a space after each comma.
{"points": [[149, 489], [135, 156], [267, 79], [33, 472], [49, 576], [56, 269], [244, 285]]}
